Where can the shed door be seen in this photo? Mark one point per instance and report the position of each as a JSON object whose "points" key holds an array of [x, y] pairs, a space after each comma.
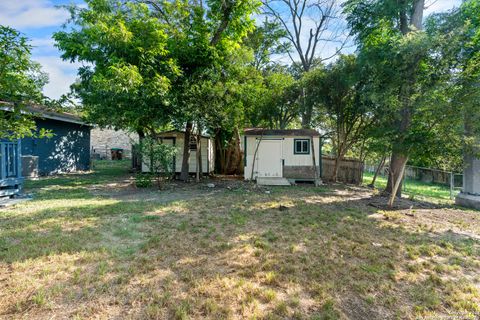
{"points": [[269, 159]]}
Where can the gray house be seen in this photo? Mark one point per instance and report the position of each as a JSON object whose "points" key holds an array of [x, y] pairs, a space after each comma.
{"points": [[68, 150]]}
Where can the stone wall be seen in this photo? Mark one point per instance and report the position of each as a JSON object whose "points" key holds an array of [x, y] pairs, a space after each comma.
{"points": [[103, 140], [298, 172]]}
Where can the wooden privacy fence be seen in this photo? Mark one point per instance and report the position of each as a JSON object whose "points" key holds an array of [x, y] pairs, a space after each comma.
{"points": [[350, 170]]}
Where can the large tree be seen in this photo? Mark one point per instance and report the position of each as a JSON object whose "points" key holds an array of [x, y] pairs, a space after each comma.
{"points": [[21, 83], [127, 74], [336, 93], [266, 41], [145, 61], [311, 28], [202, 37], [410, 73], [281, 104]]}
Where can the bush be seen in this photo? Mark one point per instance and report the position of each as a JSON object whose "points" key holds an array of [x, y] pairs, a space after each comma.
{"points": [[144, 180], [158, 157]]}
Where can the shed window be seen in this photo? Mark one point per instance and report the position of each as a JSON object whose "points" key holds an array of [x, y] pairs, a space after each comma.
{"points": [[301, 146], [193, 143]]}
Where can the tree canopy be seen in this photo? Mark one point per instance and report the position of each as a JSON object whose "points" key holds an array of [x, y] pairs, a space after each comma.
{"points": [[207, 66], [21, 83]]}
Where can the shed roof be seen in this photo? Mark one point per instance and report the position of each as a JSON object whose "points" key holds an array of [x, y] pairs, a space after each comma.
{"points": [[182, 132], [43, 112], [281, 132]]}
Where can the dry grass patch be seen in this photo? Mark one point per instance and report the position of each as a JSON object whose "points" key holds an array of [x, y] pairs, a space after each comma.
{"points": [[231, 254]]}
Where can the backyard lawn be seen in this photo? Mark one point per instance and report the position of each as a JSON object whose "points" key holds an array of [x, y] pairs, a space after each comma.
{"points": [[416, 189], [94, 246]]}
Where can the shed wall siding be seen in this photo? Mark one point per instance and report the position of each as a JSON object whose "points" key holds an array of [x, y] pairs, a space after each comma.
{"points": [[67, 150], [290, 158], [208, 161]]}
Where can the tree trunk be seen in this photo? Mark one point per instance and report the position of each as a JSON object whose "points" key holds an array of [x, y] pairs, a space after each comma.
{"points": [[307, 111], [395, 176], [380, 166], [136, 155], [417, 16], [399, 154], [199, 149], [338, 159], [235, 155], [255, 156], [199, 156], [315, 169], [397, 182], [186, 152], [228, 159], [219, 152]]}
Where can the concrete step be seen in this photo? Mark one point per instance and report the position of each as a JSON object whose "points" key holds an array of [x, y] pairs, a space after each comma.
{"points": [[7, 202], [274, 181]]}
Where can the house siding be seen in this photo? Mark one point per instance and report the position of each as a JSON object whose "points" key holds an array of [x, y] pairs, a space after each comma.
{"points": [[67, 150]]}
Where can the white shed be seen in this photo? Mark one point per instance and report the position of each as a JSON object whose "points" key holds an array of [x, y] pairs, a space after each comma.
{"points": [[289, 155], [176, 138]]}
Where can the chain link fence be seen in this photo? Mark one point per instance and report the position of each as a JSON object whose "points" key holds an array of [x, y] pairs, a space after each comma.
{"points": [[420, 181]]}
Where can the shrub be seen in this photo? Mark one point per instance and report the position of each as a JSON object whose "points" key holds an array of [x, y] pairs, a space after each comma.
{"points": [[144, 180], [158, 157]]}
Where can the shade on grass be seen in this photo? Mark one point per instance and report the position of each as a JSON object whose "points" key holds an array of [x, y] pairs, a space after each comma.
{"points": [[93, 246]]}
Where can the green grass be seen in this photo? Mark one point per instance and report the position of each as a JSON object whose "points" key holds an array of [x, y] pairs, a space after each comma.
{"points": [[415, 188], [102, 172], [93, 246]]}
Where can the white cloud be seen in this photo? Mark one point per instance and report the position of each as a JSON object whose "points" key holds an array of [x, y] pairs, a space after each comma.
{"points": [[44, 46], [21, 14], [61, 75]]}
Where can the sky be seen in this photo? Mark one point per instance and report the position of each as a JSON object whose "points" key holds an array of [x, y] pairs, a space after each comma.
{"points": [[39, 19]]}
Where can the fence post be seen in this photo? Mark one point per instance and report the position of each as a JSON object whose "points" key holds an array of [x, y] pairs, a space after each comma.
{"points": [[452, 182]]}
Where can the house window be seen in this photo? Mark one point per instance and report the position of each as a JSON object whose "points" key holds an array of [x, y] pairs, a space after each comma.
{"points": [[193, 143], [301, 146]]}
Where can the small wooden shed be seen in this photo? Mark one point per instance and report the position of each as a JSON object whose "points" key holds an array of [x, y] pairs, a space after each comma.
{"points": [[176, 138], [294, 155], [10, 167]]}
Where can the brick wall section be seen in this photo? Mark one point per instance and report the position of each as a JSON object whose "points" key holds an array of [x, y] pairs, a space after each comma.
{"points": [[102, 140]]}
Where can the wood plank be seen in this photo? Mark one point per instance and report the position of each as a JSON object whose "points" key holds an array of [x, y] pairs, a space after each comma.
{"points": [[8, 192], [9, 182]]}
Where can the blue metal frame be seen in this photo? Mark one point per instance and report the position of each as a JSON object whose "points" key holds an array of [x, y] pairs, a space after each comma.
{"points": [[10, 167]]}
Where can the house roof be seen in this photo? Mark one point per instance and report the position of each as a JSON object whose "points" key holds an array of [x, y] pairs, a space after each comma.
{"points": [[43, 112], [281, 132]]}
